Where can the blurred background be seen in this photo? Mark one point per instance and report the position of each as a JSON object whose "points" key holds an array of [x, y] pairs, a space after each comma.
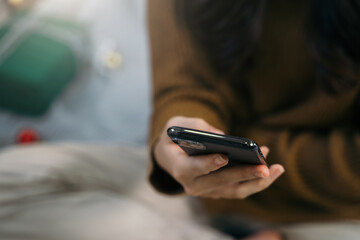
{"points": [[74, 70]]}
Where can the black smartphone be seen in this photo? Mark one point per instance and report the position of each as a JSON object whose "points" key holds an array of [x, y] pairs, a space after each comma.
{"points": [[239, 150]]}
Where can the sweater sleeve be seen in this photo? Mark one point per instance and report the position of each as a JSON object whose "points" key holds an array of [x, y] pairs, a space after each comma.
{"points": [[322, 167], [182, 83]]}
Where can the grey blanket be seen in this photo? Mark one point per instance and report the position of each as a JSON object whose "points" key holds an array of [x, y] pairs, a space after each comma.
{"points": [[74, 191]]}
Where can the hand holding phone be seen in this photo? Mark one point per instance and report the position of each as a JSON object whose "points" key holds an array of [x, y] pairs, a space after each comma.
{"points": [[199, 166]]}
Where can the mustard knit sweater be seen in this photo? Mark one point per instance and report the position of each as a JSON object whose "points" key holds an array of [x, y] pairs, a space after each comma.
{"points": [[313, 135]]}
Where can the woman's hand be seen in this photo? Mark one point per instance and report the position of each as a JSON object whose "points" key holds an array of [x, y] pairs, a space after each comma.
{"points": [[198, 175]]}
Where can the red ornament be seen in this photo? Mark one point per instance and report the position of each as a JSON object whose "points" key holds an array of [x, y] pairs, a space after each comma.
{"points": [[28, 136]]}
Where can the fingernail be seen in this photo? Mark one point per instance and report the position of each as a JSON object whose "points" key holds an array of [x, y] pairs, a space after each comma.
{"points": [[220, 160], [278, 173]]}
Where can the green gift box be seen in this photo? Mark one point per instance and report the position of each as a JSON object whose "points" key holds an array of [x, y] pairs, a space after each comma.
{"points": [[34, 74]]}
